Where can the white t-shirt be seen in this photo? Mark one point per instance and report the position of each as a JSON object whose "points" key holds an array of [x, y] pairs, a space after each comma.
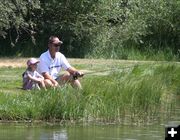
{"points": [[52, 66]]}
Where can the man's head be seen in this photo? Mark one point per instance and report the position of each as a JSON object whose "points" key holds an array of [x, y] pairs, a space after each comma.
{"points": [[54, 40], [54, 43]]}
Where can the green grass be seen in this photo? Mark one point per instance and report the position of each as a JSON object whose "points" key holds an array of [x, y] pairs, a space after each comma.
{"points": [[142, 93]]}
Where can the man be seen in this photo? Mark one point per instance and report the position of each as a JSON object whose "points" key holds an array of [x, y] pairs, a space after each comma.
{"points": [[51, 63]]}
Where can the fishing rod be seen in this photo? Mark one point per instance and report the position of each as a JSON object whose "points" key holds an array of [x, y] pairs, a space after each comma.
{"points": [[117, 69], [77, 75]]}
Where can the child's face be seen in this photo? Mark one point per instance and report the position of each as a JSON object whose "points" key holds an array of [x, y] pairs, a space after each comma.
{"points": [[33, 67]]}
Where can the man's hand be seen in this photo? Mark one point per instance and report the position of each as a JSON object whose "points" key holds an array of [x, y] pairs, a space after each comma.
{"points": [[77, 74]]}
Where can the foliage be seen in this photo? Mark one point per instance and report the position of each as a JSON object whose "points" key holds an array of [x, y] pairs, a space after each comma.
{"points": [[147, 25], [16, 18], [91, 28]]}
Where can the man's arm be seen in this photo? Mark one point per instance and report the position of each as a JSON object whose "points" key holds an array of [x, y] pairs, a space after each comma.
{"points": [[75, 72], [72, 70]]}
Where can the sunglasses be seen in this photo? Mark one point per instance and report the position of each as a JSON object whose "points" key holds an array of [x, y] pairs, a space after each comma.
{"points": [[56, 45]]}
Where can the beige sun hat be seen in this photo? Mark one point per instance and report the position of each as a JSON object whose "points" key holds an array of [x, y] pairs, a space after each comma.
{"points": [[32, 61]]}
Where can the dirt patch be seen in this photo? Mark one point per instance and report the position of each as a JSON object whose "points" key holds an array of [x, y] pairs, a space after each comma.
{"points": [[13, 62]]}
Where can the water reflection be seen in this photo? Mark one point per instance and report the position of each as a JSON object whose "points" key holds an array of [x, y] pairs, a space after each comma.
{"points": [[60, 135], [111, 132], [54, 135], [92, 132]]}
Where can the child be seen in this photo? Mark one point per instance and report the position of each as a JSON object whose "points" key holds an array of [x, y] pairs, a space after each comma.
{"points": [[31, 78]]}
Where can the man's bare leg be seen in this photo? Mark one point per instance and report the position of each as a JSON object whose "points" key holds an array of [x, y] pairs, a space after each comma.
{"points": [[68, 78]]}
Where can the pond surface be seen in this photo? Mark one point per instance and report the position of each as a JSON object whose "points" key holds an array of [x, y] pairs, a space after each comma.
{"points": [[92, 132]]}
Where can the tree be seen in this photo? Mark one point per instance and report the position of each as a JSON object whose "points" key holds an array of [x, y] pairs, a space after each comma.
{"points": [[99, 27], [16, 18]]}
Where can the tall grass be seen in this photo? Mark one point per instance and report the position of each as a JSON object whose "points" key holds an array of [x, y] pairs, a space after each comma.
{"points": [[134, 53], [138, 94]]}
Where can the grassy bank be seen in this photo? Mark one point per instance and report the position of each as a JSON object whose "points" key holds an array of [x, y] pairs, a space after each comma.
{"points": [[144, 92]]}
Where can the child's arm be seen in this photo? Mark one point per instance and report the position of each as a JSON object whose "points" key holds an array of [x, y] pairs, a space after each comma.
{"points": [[35, 79], [40, 76]]}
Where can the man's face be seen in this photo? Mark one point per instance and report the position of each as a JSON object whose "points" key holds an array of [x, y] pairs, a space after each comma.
{"points": [[55, 45]]}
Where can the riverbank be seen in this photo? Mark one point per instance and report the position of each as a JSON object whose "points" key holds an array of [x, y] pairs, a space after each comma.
{"points": [[136, 92]]}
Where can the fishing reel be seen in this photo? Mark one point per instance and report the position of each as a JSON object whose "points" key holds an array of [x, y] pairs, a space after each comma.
{"points": [[76, 75]]}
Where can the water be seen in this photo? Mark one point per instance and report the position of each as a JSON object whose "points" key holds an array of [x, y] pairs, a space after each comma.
{"points": [[80, 132]]}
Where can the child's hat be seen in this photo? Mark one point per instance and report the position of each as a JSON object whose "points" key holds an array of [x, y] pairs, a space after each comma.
{"points": [[32, 61]]}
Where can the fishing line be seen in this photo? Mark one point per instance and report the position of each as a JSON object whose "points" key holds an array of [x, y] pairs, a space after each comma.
{"points": [[111, 69]]}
